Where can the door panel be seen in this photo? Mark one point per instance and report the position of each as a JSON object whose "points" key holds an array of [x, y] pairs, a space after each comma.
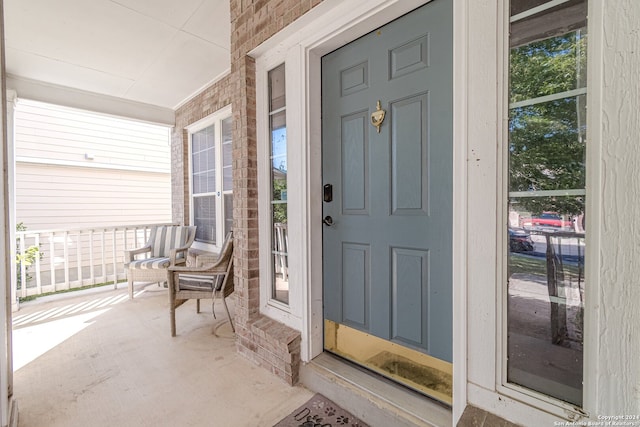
{"points": [[409, 156], [387, 253], [354, 78], [356, 283], [355, 164], [409, 57], [410, 283]]}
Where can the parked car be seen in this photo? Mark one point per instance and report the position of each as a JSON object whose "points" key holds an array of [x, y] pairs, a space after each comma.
{"points": [[546, 219], [520, 240]]}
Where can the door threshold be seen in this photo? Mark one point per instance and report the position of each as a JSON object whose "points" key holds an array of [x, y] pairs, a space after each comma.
{"points": [[368, 396]]}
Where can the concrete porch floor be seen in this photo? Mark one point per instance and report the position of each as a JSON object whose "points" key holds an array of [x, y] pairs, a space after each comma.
{"points": [[98, 359]]}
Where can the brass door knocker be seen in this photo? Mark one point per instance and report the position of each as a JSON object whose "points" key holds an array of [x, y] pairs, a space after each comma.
{"points": [[377, 117]]}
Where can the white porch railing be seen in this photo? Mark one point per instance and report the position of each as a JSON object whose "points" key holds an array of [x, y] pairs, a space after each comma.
{"points": [[77, 257], [281, 249]]}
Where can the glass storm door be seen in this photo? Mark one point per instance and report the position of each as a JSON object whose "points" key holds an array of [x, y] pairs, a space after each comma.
{"points": [[387, 209]]}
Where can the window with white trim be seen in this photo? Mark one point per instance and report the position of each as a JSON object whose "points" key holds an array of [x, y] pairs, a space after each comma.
{"points": [[278, 198], [211, 185], [280, 166], [546, 194]]}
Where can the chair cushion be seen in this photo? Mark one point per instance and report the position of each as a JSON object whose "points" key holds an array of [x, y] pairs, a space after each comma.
{"points": [[149, 263], [166, 238], [194, 282]]}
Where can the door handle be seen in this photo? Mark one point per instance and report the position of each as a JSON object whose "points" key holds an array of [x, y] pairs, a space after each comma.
{"points": [[327, 193], [328, 221]]}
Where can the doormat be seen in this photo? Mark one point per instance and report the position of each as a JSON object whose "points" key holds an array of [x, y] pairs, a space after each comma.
{"points": [[320, 412]]}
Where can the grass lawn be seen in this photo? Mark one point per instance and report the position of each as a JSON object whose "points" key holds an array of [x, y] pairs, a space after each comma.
{"points": [[527, 264]]}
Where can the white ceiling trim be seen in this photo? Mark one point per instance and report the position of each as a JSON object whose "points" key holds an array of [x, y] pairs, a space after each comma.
{"points": [[201, 89], [90, 101]]}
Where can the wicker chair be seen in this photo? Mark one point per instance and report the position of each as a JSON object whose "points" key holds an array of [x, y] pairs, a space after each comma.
{"points": [[206, 282], [167, 245]]}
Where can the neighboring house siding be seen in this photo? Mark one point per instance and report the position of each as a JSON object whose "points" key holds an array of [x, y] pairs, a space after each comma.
{"points": [[50, 196], [78, 169]]}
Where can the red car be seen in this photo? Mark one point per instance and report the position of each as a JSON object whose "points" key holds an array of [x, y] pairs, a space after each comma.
{"points": [[546, 219]]}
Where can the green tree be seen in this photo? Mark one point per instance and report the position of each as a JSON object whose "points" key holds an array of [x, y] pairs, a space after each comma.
{"points": [[280, 209], [27, 259], [547, 140]]}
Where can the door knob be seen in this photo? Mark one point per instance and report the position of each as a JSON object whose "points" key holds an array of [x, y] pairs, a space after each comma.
{"points": [[327, 220]]}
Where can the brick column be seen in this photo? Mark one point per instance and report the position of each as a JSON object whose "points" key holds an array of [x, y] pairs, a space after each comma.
{"points": [[245, 192]]}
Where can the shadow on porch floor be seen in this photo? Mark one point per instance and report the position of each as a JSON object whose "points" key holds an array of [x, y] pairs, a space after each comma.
{"points": [[98, 359]]}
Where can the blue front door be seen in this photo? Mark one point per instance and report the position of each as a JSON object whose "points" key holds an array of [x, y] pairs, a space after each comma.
{"points": [[387, 240]]}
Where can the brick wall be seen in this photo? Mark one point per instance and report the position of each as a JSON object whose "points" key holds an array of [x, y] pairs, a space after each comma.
{"points": [[265, 341]]}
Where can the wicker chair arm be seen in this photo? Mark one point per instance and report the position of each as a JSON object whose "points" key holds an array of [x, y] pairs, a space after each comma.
{"points": [[130, 254], [173, 255]]}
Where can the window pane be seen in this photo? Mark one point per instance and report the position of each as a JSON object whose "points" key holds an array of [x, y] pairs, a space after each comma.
{"points": [[205, 164], [211, 181], [278, 156], [213, 167], [546, 235], [280, 253], [279, 148], [534, 20], [227, 177], [226, 154], [277, 97], [210, 133], [279, 190], [228, 213], [227, 130], [204, 213], [203, 161], [547, 145], [196, 184], [546, 295], [195, 143], [536, 67], [195, 162]]}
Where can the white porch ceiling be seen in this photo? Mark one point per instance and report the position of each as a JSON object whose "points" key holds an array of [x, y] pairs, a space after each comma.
{"points": [[156, 52]]}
